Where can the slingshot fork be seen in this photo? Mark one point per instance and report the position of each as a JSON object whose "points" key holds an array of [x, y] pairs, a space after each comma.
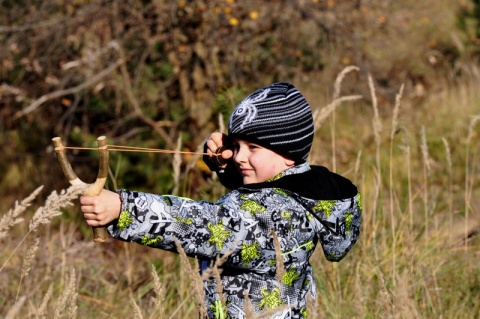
{"points": [[100, 234]]}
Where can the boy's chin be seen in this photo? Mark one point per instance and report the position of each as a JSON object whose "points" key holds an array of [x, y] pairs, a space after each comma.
{"points": [[249, 180]]}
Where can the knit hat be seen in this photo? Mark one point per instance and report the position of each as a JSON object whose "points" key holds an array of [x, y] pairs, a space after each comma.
{"points": [[276, 117]]}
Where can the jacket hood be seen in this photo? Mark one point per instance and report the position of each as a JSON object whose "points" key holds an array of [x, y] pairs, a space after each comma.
{"points": [[332, 200]]}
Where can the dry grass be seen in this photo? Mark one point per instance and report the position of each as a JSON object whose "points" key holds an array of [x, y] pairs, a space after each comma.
{"points": [[417, 256], [13, 216]]}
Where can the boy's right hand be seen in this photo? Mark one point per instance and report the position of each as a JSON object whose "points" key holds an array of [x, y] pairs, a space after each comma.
{"points": [[214, 143], [102, 209]]}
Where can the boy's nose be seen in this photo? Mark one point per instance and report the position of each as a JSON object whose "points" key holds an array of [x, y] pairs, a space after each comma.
{"points": [[240, 155]]}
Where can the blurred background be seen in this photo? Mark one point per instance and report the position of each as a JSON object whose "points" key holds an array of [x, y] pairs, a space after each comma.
{"points": [[165, 74]]}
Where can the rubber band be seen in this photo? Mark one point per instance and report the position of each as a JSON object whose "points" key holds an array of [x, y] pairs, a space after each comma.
{"points": [[122, 148]]}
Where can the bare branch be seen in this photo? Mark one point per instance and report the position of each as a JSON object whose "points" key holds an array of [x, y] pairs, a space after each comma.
{"points": [[134, 102], [53, 95]]}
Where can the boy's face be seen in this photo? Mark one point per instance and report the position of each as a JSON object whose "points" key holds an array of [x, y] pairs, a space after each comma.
{"points": [[256, 163]]}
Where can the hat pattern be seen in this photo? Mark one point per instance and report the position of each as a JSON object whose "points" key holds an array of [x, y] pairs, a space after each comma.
{"points": [[277, 117], [247, 108]]}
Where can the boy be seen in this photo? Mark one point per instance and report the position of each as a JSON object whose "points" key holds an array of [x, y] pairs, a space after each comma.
{"points": [[274, 190]]}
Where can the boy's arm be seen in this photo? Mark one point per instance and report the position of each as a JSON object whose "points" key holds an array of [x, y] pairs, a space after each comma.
{"points": [[237, 224], [156, 221]]}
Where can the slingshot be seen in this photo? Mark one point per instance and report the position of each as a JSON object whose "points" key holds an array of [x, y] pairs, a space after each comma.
{"points": [[100, 234]]}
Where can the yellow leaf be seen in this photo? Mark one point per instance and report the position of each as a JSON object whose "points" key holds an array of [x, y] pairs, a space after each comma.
{"points": [[233, 21]]}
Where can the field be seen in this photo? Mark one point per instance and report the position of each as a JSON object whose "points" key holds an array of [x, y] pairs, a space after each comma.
{"points": [[417, 256], [401, 122]]}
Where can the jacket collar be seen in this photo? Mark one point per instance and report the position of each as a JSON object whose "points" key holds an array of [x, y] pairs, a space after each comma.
{"points": [[297, 169]]}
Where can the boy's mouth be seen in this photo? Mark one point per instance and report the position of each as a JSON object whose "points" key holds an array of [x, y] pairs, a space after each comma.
{"points": [[245, 171]]}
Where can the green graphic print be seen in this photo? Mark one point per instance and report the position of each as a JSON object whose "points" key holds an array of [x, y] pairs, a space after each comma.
{"points": [[124, 220], [325, 206], [252, 207], [218, 235], [152, 242], [249, 252], [289, 277], [271, 299]]}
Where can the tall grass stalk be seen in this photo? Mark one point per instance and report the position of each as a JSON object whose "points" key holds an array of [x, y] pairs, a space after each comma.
{"points": [[448, 157], [377, 122], [158, 300], [333, 141], [221, 123], [114, 175], [177, 162], [15, 310], [129, 267], [137, 312], [336, 95], [377, 130], [396, 111], [357, 165], [196, 281], [426, 171], [468, 177], [27, 263], [319, 116], [409, 185], [41, 312], [67, 303]]}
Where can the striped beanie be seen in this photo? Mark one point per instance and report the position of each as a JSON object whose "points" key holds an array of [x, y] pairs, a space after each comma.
{"points": [[276, 117]]}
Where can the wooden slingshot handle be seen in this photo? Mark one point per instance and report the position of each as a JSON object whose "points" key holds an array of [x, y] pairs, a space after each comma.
{"points": [[100, 234]]}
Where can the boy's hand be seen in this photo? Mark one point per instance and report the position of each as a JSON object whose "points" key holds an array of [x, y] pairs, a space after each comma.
{"points": [[214, 142], [102, 209]]}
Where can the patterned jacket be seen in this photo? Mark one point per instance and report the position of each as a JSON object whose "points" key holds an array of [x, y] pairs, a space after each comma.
{"points": [[303, 205]]}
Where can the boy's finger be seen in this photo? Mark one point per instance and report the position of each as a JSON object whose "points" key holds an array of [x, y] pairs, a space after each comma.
{"points": [[212, 146], [90, 216], [83, 200], [87, 209], [88, 200], [93, 223], [227, 154], [217, 137]]}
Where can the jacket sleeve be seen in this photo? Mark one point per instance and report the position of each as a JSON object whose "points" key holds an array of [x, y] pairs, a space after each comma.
{"points": [[339, 223], [156, 221]]}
